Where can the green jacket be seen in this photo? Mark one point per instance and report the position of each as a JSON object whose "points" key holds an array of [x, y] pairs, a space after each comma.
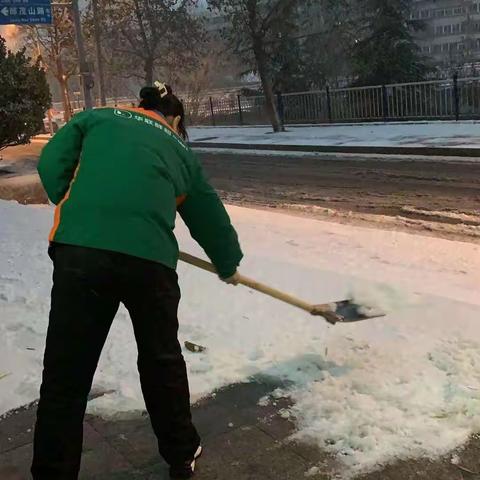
{"points": [[118, 177]]}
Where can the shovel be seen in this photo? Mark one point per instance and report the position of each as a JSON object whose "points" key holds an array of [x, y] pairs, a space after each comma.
{"points": [[345, 311]]}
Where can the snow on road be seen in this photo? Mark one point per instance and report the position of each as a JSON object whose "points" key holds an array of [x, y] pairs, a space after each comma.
{"points": [[404, 385], [421, 134]]}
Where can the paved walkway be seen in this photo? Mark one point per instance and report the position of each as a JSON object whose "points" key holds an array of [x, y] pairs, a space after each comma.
{"points": [[242, 440]]}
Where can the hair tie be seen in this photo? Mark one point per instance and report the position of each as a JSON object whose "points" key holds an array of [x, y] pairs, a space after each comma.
{"points": [[162, 88]]}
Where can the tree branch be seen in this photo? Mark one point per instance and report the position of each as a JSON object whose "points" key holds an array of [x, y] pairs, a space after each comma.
{"points": [[143, 34], [276, 9]]}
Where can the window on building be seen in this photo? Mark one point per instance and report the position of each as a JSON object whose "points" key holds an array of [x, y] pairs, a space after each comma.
{"points": [[445, 47], [427, 49], [447, 29], [439, 30], [437, 49], [443, 12], [458, 10], [425, 14]]}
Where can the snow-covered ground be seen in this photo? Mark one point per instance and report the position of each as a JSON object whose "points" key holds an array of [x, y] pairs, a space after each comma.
{"points": [[400, 386], [463, 134], [422, 134]]}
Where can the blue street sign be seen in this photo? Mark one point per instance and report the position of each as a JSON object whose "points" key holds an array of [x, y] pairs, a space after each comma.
{"points": [[25, 12]]}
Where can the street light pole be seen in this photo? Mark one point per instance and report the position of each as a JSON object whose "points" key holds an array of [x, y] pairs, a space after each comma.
{"points": [[85, 75]]}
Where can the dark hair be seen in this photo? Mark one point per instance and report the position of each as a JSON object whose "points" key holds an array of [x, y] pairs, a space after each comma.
{"points": [[169, 105]]}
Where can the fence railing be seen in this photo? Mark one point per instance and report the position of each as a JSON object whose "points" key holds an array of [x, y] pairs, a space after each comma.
{"points": [[437, 99]]}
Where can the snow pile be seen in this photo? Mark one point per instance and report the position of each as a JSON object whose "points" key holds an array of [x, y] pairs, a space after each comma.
{"points": [[461, 217], [433, 134], [404, 385], [468, 226], [403, 405]]}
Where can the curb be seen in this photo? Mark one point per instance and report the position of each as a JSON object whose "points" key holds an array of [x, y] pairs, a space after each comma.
{"points": [[416, 151], [346, 124]]}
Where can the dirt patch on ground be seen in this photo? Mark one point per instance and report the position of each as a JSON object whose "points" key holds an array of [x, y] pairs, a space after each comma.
{"points": [[19, 180], [25, 189]]}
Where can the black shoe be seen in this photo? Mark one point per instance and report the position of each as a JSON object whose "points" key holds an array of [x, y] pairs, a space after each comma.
{"points": [[185, 471]]}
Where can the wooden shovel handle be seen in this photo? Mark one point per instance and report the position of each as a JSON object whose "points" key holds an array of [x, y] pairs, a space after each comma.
{"points": [[274, 293], [319, 310]]}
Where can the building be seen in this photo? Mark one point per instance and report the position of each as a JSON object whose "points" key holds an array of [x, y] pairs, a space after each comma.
{"points": [[452, 32]]}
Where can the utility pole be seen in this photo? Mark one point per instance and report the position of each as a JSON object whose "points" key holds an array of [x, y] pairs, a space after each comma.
{"points": [[85, 75], [98, 47]]}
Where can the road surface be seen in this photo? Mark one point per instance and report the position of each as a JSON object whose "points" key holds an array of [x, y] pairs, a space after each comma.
{"points": [[394, 190]]}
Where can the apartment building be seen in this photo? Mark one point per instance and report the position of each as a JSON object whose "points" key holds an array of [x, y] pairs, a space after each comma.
{"points": [[452, 34]]}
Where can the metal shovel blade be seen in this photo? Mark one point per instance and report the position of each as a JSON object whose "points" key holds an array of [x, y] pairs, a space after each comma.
{"points": [[346, 311]]}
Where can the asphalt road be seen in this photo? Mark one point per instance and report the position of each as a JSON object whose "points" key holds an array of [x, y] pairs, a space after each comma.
{"points": [[433, 189], [381, 186]]}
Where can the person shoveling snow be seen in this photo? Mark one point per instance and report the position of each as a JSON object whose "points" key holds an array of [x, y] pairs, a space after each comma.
{"points": [[118, 177]]}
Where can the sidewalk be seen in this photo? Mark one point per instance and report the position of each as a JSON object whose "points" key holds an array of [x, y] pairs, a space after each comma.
{"points": [[243, 441], [441, 138], [430, 134], [438, 139]]}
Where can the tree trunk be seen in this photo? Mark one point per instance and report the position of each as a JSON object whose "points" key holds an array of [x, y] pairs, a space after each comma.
{"points": [[148, 68], [62, 81], [67, 107], [267, 87]]}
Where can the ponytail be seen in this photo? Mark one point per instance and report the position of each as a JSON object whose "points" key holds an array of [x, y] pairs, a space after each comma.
{"points": [[163, 100]]}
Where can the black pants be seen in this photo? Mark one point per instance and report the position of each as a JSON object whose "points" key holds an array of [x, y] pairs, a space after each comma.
{"points": [[88, 286]]}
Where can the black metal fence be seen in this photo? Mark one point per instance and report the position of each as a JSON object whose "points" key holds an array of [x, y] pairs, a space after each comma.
{"points": [[458, 98]]}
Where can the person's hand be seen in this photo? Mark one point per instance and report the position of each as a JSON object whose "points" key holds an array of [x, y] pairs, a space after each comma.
{"points": [[233, 280]]}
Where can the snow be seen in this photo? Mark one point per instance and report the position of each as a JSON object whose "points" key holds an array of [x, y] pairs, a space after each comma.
{"points": [[462, 217], [312, 472], [463, 134], [464, 229], [401, 386], [337, 156]]}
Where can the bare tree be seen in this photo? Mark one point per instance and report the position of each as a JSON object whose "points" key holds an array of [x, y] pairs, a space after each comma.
{"points": [[152, 36], [213, 69], [55, 46], [255, 32]]}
